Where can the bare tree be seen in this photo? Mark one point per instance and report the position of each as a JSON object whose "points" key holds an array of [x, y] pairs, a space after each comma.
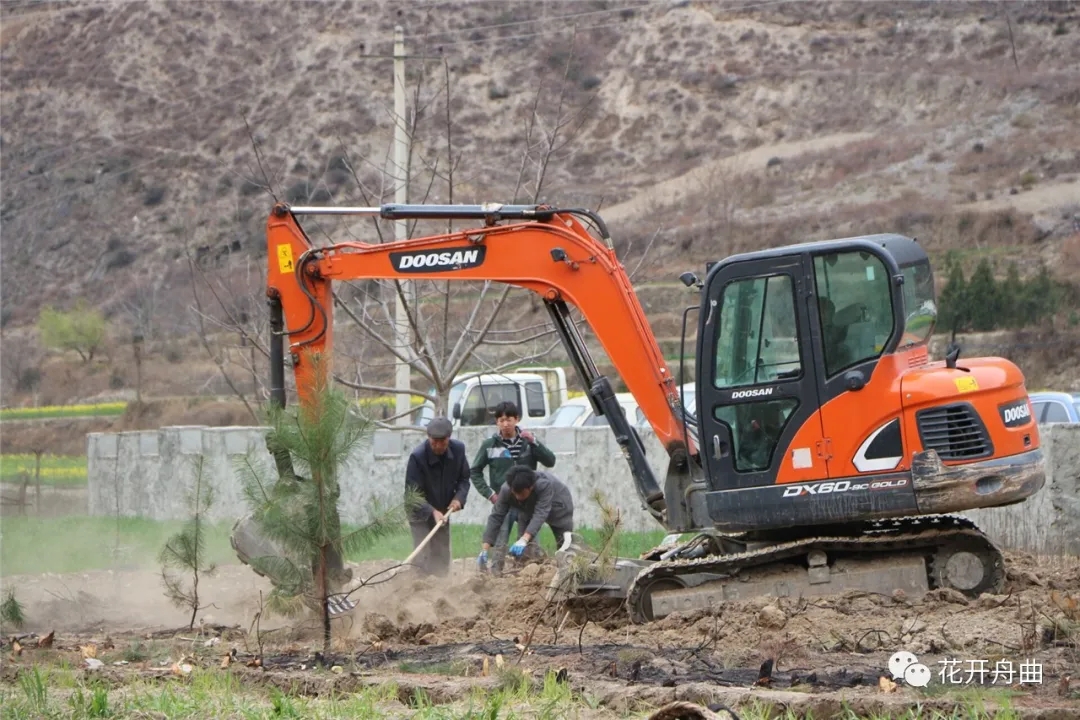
{"points": [[233, 330], [453, 327], [143, 304]]}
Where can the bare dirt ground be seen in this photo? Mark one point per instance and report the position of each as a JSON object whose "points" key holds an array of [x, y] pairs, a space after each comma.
{"points": [[438, 633]]}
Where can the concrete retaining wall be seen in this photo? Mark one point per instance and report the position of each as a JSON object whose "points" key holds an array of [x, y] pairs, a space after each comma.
{"points": [[1047, 523], [149, 474]]}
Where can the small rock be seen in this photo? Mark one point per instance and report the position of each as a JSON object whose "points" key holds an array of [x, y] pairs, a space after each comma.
{"points": [[337, 669], [429, 639], [949, 595], [532, 570], [989, 601], [917, 626], [704, 626], [379, 625], [771, 616], [93, 663], [674, 620], [1031, 578]]}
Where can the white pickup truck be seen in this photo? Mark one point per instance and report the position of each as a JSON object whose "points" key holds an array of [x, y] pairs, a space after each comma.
{"points": [[537, 391]]}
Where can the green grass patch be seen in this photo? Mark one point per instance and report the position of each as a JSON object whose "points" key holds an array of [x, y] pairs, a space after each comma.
{"points": [[453, 668], [31, 545], [59, 470], [63, 411]]}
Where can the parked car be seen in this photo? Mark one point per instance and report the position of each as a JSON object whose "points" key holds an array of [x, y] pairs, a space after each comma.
{"points": [[1055, 407], [578, 412]]}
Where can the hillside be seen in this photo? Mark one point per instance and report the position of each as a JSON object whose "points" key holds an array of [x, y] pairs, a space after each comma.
{"points": [[699, 129]]}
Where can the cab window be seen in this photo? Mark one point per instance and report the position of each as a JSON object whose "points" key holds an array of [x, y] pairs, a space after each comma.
{"points": [[757, 340], [1056, 413], [534, 393], [480, 404], [854, 307]]}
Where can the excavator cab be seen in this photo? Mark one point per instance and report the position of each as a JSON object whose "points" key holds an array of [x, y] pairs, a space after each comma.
{"points": [[782, 333], [804, 353]]}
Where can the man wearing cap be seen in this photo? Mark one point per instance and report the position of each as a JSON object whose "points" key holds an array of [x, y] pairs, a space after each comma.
{"points": [[438, 473]]}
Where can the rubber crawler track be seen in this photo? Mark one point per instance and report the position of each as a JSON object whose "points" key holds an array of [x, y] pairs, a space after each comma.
{"points": [[933, 534]]}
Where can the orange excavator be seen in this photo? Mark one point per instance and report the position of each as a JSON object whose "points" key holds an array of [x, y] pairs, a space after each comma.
{"points": [[824, 452]]}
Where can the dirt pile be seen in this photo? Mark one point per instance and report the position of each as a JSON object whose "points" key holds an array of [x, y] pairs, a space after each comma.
{"points": [[411, 626], [1036, 600]]}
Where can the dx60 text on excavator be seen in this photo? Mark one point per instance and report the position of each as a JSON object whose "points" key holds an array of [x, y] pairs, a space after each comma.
{"points": [[827, 452]]}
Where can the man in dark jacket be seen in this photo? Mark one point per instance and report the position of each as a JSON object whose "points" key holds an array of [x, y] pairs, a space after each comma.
{"points": [[539, 498], [509, 446], [438, 472]]}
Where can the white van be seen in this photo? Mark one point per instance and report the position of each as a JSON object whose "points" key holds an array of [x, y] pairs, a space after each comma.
{"points": [[474, 396]]}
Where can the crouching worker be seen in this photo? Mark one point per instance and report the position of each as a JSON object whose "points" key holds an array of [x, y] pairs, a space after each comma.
{"points": [[539, 497], [508, 447]]}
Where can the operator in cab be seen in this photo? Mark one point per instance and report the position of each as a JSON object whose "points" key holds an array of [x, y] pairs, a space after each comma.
{"points": [[509, 447], [539, 497], [437, 478]]}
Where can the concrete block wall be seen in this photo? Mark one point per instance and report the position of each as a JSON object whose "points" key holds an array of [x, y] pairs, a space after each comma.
{"points": [[149, 474], [1047, 523]]}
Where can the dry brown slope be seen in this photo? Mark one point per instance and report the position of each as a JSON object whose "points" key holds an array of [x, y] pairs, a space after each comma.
{"points": [[124, 139]]}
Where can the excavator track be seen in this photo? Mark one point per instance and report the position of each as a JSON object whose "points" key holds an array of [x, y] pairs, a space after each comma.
{"points": [[957, 555]]}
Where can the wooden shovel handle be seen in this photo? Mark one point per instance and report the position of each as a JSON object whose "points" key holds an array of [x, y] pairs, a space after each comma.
{"points": [[425, 541]]}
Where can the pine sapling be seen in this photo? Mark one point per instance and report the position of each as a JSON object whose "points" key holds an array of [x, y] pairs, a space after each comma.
{"points": [[186, 550], [11, 610], [297, 509]]}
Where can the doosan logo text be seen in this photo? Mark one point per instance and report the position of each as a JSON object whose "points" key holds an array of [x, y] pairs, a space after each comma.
{"points": [[449, 259], [757, 392], [1016, 414]]}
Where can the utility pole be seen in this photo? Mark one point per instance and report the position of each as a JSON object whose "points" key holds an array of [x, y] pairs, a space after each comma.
{"points": [[401, 196]]}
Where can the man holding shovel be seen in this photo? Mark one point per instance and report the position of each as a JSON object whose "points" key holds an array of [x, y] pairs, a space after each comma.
{"points": [[437, 476]]}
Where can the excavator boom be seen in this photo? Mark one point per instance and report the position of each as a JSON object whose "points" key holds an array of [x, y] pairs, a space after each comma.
{"points": [[545, 250]]}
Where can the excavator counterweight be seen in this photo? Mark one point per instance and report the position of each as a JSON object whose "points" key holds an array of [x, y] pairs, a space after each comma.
{"points": [[825, 451]]}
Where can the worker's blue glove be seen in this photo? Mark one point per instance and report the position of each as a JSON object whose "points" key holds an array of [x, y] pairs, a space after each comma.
{"points": [[518, 548], [481, 561]]}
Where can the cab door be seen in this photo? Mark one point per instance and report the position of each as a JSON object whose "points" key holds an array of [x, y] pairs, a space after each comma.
{"points": [[757, 381]]}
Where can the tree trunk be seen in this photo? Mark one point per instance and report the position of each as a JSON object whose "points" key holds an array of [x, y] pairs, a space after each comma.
{"points": [[442, 401], [324, 593], [37, 481]]}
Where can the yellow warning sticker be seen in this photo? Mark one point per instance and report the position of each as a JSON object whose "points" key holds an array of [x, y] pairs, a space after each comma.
{"points": [[966, 384], [284, 257]]}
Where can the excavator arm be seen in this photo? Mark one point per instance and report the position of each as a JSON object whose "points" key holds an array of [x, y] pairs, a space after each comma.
{"points": [[539, 248]]}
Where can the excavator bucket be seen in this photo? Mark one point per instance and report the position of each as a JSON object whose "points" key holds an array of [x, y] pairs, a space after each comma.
{"points": [[250, 545], [582, 574]]}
